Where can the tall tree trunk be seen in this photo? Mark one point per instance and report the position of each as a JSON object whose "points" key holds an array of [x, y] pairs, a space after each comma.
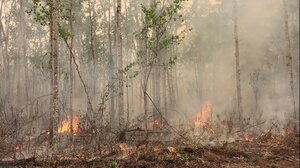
{"points": [[92, 49], [4, 39], [145, 81], [54, 21], [156, 77], [289, 61], [120, 98], [17, 60], [170, 87], [128, 58], [18, 69], [22, 56], [71, 74], [237, 64], [164, 90], [156, 89], [175, 90], [111, 67]]}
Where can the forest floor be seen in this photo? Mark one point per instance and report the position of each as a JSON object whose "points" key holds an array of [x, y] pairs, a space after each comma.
{"points": [[268, 150]]}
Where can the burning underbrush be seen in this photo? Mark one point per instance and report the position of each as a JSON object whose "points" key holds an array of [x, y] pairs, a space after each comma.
{"points": [[69, 125], [204, 142]]}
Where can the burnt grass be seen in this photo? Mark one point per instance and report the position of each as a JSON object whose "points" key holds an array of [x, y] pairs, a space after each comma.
{"points": [[271, 151]]}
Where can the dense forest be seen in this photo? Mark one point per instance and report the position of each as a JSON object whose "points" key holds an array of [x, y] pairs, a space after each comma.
{"points": [[83, 79]]}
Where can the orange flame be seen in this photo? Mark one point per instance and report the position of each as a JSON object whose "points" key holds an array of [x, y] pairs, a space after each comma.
{"points": [[248, 138], [202, 117], [156, 124], [64, 126]]}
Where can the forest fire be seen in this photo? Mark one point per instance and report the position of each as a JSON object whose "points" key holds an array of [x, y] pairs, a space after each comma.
{"points": [[149, 83], [64, 126], [202, 117]]}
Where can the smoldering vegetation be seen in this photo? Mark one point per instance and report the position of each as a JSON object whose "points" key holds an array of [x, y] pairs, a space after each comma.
{"points": [[197, 76]]}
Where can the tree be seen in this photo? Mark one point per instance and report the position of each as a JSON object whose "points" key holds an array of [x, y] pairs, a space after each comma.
{"points": [[4, 37], [156, 75], [92, 52], [71, 73], [289, 61], [255, 81], [54, 35], [237, 64], [120, 98], [111, 70], [156, 37]]}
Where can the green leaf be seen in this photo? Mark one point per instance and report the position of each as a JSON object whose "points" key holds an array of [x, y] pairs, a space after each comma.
{"points": [[63, 33]]}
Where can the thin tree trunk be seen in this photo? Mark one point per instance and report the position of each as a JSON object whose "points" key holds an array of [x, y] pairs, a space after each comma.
{"points": [[146, 75], [111, 68], [120, 98], [175, 90], [127, 78], [22, 55], [18, 70], [164, 91], [92, 45], [54, 21], [237, 64], [289, 61], [71, 74], [6, 61], [127, 102], [157, 89], [156, 77], [170, 87]]}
